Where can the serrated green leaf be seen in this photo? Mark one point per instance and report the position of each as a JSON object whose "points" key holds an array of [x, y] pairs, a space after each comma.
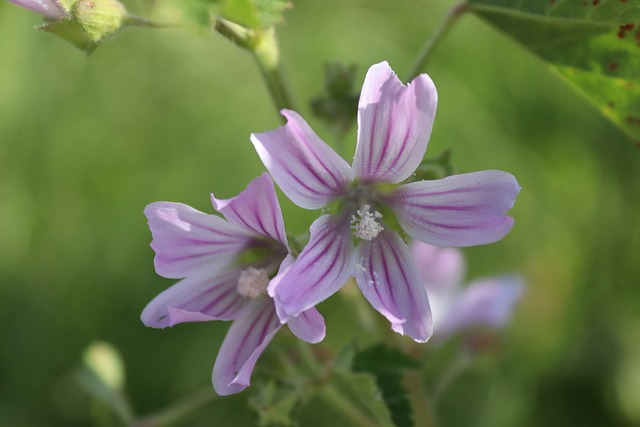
{"points": [[275, 405], [594, 44], [381, 359], [387, 365], [358, 394]]}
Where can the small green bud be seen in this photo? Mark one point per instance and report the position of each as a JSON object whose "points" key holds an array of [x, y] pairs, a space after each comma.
{"points": [[99, 18], [87, 22]]}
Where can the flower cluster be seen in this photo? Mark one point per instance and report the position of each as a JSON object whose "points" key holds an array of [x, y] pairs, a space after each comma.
{"points": [[240, 268]]}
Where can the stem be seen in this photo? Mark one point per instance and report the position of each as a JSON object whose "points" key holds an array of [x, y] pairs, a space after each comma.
{"points": [[460, 363], [423, 57], [178, 410], [267, 55], [137, 21], [422, 408]]}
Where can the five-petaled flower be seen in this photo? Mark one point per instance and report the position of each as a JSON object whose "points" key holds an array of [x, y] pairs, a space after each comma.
{"points": [[226, 266], [51, 9], [482, 303], [394, 125]]}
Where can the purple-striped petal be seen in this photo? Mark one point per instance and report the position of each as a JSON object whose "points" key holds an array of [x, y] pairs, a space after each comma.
{"points": [[394, 125], [308, 326], [256, 208], [307, 170], [207, 295], [247, 338], [488, 302], [186, 240], [438, 268], [48, 8], [460, 210], [325, 264], [387, 277]]}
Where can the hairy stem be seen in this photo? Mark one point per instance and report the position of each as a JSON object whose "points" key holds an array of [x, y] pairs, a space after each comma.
{"points": [[267, 55], [425, 53]]}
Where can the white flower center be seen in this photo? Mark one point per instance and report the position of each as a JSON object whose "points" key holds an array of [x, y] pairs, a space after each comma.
{"points": [[253, 282], [365, 225]]}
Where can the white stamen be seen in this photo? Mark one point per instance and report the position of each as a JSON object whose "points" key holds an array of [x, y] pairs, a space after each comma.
{"points": [[253, 282], [366, 227]]}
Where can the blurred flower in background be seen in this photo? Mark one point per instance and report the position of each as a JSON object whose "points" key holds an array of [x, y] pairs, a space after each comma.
{"points": [[455, 307]]}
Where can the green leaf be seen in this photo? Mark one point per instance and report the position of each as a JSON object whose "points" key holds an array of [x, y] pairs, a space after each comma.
{"points": [[357, 395], [72, 32], [594, 44], [275, 405], [256, 14], [338, 106], [387, 365], [195, 14]]}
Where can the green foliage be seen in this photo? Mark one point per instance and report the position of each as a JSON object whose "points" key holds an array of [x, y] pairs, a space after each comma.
{"points": [[387, 365], [274, 405], [254, 14], [358, 393], [338, 106], [72, 32], [258, 14], [195, 14], [593, 44]]}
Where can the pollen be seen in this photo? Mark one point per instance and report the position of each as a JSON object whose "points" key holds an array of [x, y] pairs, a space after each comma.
{"points": [[365, 223], [253, 282]]}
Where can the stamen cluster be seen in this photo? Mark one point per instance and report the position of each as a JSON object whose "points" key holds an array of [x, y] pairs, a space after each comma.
{"points": [[365, 226]]}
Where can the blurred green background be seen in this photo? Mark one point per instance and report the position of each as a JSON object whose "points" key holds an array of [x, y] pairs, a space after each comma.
{"points": [[86, 143]]}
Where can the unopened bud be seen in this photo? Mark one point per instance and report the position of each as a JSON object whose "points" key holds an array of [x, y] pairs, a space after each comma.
{"points": [[99, 18]]}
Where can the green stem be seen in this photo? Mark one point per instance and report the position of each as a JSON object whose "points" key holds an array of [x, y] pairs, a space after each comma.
{"points": [[267, 55], [178, 410], [459, 365], [422, 408], [137, 21], [425, 53]]}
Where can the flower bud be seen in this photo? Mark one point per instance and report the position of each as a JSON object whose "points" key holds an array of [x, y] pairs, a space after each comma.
{"points": [[99, 18], [86, 22]]}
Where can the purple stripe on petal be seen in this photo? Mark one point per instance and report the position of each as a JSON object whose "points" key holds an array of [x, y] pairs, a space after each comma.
{"points": [[325, 264], [307, 170], [308, 326], [394, 125], [247, 338], [460, 210], [387, 276], [206, 295], [186, 240], [256, 208]]}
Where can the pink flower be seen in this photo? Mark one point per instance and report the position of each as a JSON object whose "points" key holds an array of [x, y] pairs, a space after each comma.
{"points": [[482, 303], [51, 9], [226, 266], [369, 198]]}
